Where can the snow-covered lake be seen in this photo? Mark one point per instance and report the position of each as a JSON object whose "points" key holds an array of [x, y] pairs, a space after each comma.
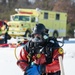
{"points": [[8, 61]]}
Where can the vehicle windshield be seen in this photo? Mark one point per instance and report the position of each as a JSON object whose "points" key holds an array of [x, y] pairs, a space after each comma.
{"points": [[21, 18]]}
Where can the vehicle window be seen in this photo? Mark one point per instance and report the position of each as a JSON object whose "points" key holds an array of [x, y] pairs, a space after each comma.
{"points": [[33, 19], [16, 18], [57, 16], [45, 15], [21, 18]]}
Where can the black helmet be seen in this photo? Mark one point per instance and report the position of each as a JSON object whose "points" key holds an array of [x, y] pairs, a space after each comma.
{"points": [[39, 29], [39, 33]]}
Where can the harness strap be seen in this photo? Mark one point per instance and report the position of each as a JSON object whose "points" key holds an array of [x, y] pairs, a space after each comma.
{"points": [[22, 61]]}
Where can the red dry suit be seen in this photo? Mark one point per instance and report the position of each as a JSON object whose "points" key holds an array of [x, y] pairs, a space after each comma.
{"points": [[51, 62]]}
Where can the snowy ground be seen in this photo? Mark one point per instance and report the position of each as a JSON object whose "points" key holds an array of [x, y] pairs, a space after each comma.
{"points": [[8, 61]]}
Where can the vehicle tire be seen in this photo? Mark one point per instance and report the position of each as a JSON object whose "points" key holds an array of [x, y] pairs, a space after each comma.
{"points": [[1, 41], [27, 34], [55, 34]]}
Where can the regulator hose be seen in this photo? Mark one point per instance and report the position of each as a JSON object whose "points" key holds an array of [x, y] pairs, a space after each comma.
{"points": [[15, 53], [19, 44]]}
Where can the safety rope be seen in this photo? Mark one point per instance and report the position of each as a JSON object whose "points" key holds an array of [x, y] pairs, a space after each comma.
{"points": [[15, 53]]}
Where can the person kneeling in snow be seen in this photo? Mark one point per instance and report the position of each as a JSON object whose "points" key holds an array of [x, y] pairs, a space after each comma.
{"points": [[40, 54]]}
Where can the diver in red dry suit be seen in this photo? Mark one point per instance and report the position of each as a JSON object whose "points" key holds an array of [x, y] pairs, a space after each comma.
{"points": [[39, 56]]}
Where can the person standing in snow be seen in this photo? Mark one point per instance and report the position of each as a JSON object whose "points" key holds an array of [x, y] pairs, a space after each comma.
{"points": [[4, 30]]}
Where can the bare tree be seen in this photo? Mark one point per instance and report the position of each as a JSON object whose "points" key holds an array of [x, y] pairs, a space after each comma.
{"points": [[44, 4], [23, 4]]}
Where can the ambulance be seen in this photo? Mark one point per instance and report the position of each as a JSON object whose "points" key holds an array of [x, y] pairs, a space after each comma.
{"points": [[22, 22]]}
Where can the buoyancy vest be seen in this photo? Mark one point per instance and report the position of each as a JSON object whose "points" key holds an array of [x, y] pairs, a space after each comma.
{"points": [[45, 48]]}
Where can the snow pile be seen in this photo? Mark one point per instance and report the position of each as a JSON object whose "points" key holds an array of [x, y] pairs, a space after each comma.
{"points": [[8, 61]]}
